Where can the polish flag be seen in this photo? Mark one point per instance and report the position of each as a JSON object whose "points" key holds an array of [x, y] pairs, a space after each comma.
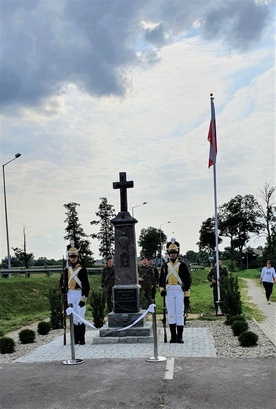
{"points": [[212, 135]]}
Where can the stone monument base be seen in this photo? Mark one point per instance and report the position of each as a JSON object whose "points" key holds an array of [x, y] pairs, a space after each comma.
{"points": [[141, 332]]}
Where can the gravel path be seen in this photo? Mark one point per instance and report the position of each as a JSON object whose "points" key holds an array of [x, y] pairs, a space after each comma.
{"points": [[227, 345]]}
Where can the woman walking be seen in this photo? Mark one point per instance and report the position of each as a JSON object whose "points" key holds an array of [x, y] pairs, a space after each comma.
{"points": [[268, 276]]}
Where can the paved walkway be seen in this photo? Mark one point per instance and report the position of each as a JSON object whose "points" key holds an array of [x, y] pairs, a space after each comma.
{"points": [[198, 342], [257, 295]]}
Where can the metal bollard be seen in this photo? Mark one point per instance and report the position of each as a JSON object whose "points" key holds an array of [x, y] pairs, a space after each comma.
{"points": [[155, 358], [73, 360]]}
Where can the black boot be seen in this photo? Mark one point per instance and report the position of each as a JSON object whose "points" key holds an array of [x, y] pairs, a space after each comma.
{"points": [[179, 334], [173, 333], [76, 333], [82, 334]]}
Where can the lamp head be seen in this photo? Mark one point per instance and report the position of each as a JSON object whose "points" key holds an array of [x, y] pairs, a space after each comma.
{"points": [[17, 155]]}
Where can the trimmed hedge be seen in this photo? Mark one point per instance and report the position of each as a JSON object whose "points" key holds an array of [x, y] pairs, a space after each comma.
{"points": [[26, 336], [43, 328], [7, 345], [248, 339], [231, 319], [238, 327]]}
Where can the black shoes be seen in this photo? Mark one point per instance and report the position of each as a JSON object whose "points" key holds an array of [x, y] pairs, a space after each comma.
{"points": [[176, 338]]}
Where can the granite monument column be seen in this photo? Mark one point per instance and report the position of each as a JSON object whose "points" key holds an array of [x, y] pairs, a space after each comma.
{"points": [[126, 291]]}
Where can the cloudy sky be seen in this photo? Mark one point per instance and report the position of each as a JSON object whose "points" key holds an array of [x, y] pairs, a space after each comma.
{"points": [[93, 88]]}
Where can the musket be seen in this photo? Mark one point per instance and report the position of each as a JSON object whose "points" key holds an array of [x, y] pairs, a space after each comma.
{"points": [[164, 320], [64, 318]]}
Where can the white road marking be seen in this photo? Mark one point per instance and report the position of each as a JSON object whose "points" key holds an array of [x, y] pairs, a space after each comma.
{"points": [[169, 369]]}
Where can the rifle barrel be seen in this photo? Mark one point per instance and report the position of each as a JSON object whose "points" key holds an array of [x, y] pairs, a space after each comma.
{"points": [[164, 320]]}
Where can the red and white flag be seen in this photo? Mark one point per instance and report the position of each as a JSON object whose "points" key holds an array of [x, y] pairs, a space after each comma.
{"points": [[212, 135]]}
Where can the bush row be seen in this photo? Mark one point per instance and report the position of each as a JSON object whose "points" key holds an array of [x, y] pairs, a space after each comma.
{"points": [[240, 328], [26, 336]]}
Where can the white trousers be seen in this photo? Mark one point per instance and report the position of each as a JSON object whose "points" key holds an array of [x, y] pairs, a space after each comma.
{"points": [[175, 304], [73, 297]]}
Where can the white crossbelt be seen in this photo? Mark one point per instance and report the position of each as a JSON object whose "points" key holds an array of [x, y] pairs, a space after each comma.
{"points": [[73, 275], [172, 271]]}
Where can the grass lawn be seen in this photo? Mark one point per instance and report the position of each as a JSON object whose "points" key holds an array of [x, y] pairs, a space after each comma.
{"points": [[24, 300]]}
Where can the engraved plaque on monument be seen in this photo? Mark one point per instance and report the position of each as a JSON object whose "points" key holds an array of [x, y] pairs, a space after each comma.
{"points": [[125, 299]]}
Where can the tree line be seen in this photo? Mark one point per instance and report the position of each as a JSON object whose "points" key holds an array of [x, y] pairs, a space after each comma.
{"points": [[240, 220]]}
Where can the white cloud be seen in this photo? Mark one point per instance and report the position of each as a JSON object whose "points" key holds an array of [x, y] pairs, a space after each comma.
{"points": [[75, 144]]}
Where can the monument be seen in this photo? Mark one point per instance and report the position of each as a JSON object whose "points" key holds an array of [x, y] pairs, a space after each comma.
{"points": [[126, 292]]}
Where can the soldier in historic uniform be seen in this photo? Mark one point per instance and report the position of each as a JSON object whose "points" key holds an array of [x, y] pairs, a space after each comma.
{"points": [[174, 280], [146, 279], [76, 285], [108, 281], [155, 278]]}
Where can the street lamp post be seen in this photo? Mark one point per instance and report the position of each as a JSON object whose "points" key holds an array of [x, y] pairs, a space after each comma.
{"points": [[161, 244], [142, 204], [17, 155]]}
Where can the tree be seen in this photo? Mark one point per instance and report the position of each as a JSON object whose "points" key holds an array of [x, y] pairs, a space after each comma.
{"points": [[191, 256], [56, 306], [203, 257], [151, 241], [23, 257], [76, 233], [21, 254], [238, 219], [231, 304], [97, 302], [207, 236], [268, 219], [106, 235]]}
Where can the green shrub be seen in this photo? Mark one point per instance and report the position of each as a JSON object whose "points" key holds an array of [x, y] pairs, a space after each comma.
{"points": [[238, 327], [248, 339], [56, 306], [97, 303], [43, 328], [230, 296], [231, 319], [1, 333], [7, 345], [26, 336]]}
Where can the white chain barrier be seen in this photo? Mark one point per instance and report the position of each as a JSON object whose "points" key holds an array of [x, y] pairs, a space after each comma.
{"points": [[84, 321]]}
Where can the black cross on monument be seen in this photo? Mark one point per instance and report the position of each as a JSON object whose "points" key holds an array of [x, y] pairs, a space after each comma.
{"points": [[123, 185]]}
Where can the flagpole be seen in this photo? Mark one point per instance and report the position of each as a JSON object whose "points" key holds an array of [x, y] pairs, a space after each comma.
{"points": [[214, 147], [216, 235]]}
